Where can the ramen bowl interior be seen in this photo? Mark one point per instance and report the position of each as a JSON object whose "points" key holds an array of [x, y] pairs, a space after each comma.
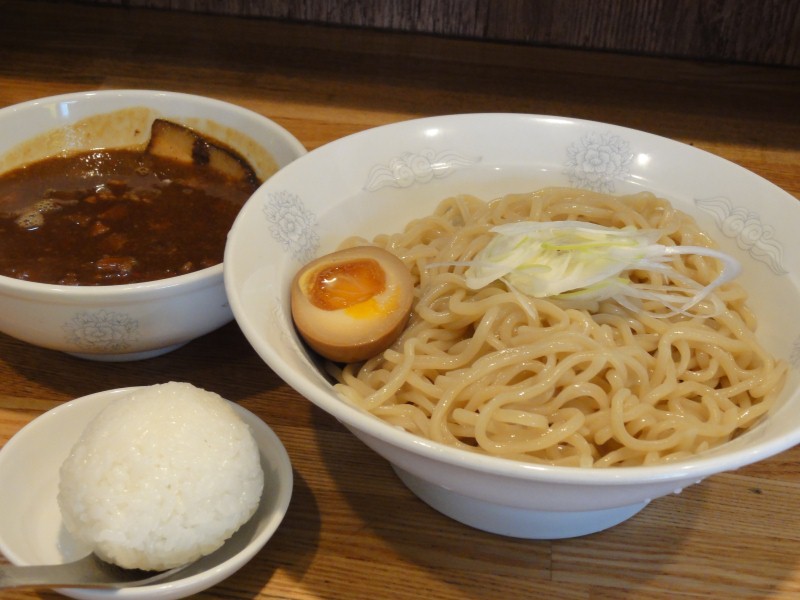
{"points": [[31, 525], [136, 320], [378, 180]]}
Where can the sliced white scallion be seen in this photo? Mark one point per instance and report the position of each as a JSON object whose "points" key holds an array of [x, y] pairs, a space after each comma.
{"points": [[586, 261]]}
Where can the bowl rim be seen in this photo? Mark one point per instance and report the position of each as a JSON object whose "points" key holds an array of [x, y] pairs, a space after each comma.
{"points": [[694, 468], [195, 278], [208, 276]]}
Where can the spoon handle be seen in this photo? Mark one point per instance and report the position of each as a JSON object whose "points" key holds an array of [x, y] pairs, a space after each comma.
{"points": [[87, 572]]}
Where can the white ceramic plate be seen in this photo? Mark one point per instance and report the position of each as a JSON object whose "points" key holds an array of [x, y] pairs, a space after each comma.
{"points": [[378, 180], [31, 530]]}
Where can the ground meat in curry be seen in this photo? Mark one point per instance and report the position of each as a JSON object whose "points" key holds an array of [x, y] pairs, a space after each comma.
{"points": [[115, 216]]}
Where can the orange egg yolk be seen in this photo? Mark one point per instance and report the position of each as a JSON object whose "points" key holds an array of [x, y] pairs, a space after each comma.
{"points": [[346, 284]]}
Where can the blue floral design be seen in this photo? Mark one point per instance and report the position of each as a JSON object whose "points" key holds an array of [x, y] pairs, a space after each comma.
{"points": [[747, 228], [102, 330], [598, 159], [292, 225], [794, 355], [417, 167]]}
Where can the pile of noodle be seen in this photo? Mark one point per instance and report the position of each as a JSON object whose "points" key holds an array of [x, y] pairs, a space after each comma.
{"points": [[545, 381]]}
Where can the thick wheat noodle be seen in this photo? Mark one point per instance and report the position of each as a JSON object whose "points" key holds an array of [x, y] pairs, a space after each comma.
{"points": [[545, 381]]}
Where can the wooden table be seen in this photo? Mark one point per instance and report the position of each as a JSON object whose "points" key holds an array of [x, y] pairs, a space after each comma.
{"points": [[353, 530]]}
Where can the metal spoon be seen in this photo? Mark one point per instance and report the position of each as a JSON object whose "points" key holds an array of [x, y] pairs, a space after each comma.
{"points": [[87, 572]]}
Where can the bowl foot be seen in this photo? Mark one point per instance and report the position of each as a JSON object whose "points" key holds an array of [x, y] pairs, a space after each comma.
{"points": [[515, 522], [129, 356]]}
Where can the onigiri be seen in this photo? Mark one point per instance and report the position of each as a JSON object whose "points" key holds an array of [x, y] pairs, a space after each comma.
{"points": [[161, 477]]}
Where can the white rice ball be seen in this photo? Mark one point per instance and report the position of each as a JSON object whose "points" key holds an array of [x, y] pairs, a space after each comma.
{"points": [[161, 477]]}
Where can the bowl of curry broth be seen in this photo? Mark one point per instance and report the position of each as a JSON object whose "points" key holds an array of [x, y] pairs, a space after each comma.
{"points": [[114, 211]]}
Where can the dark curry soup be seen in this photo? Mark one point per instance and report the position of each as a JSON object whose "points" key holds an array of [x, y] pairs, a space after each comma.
{"points": [[115, 216]]}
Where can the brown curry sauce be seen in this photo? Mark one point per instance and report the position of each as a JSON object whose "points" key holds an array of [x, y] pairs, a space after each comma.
{"points": [[119, 216]]}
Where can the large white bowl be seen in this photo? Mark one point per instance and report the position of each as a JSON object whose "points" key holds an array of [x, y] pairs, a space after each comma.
{"points": [[31, 530], [133, 321], [378, 180]]}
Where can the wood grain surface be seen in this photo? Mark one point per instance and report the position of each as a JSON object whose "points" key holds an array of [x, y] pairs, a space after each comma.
{"points": [[353, 530], [762, 32]]}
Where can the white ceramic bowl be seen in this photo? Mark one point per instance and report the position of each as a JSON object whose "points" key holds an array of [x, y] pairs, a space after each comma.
{"points": [[132, 321], [31, 531], [378, 180]]}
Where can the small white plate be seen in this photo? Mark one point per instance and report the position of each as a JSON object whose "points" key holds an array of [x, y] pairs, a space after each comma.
{"points": [[31, 530]]}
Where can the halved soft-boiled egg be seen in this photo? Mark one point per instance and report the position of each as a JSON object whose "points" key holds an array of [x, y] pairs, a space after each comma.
{"points": [[352, 304]]}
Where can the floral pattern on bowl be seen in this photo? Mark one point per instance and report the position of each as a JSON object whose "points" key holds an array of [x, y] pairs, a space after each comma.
{"points": [[748, 230], [101, 331], [596, 160], [794, 355], [292, 225], [417, 167]]}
